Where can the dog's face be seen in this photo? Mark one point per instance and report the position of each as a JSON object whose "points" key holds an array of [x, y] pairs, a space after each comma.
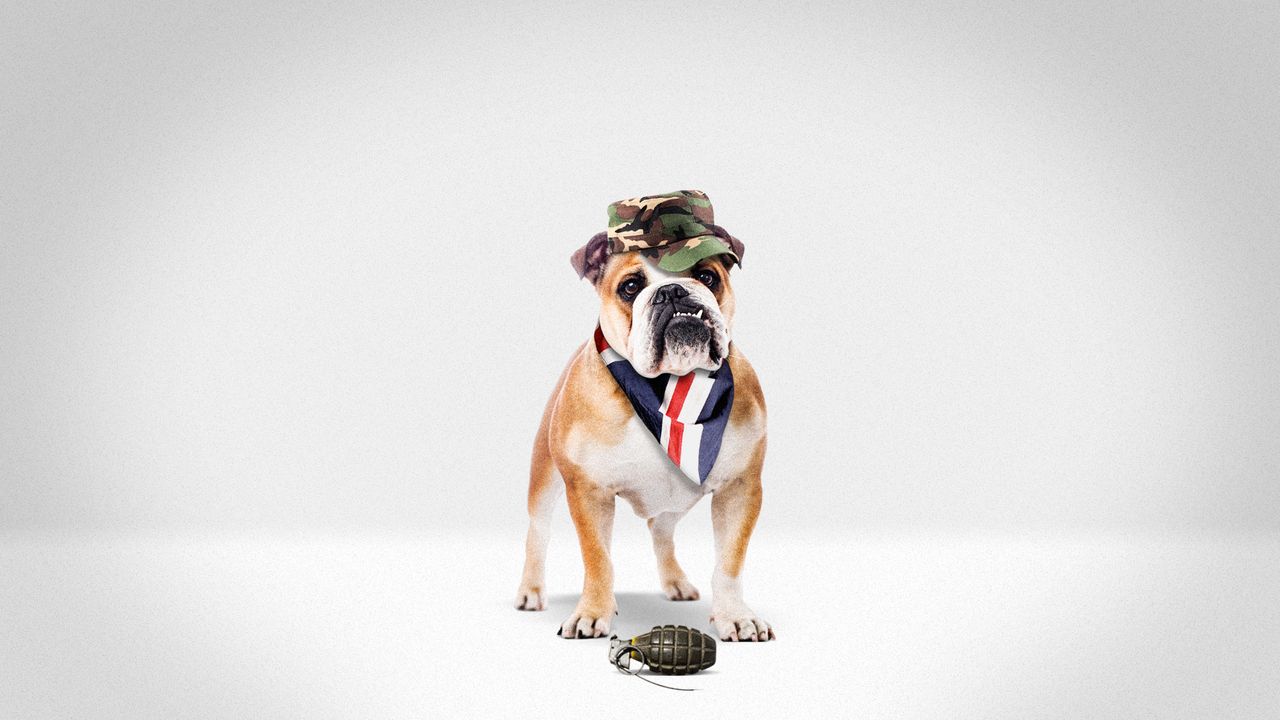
{"points": [[664, 322], [667, 322]]}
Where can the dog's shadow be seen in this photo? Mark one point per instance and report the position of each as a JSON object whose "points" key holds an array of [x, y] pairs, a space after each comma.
{"points": [[638, 612]]}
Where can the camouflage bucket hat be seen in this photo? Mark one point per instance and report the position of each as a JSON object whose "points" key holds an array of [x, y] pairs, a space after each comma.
{"points": [[674, 227]]}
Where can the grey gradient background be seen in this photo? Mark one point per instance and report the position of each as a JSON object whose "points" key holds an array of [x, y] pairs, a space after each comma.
{"points": [[306, 265], [302, 269]]}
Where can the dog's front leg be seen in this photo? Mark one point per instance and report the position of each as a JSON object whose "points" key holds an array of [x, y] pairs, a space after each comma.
{"points": [[734, 508], [592, 509]]}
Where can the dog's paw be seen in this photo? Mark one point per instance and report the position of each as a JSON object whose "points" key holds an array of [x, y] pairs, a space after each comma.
{"points": [[588, 621], [680, 589], [741, 625], [530, 597]]}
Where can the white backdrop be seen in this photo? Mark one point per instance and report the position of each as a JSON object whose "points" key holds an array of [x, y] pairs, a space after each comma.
{"points": [[307, 266], [284, 287]]}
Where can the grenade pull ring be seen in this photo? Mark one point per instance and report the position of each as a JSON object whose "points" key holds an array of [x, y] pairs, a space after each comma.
{"points": [[622, 661], [622, 658]]}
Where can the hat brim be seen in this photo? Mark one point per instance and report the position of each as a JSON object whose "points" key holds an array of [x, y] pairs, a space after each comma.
{"points": [[682, 255]]}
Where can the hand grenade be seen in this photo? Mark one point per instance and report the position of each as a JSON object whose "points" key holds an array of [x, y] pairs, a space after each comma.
{"points": [[666, 649]]}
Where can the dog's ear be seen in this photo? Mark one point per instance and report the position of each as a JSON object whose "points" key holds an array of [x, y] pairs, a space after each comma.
{"points": [[734, 244], [589, 259]]}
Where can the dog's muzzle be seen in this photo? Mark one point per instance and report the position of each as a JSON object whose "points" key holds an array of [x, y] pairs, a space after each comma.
{"points": [[678, 320]]}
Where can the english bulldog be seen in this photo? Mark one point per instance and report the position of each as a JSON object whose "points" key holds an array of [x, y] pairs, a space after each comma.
{"points": [[660, 408]]}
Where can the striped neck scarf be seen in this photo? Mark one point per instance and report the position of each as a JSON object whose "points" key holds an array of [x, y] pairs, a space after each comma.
{"points": [[686, 414]]}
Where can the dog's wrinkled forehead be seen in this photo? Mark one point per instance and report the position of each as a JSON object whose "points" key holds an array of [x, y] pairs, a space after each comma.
{"points": [[657, 275], [621, 268]]}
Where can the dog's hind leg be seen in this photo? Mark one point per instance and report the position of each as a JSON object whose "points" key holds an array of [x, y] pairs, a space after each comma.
{"points": [[674, 582], [545, 487]]}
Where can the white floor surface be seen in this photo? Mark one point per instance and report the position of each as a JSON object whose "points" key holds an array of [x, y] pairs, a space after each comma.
{"points": [[417, 627]]}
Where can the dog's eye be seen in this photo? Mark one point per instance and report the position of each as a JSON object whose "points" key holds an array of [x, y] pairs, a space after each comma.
{"points": [[708, 278], [630, 288]]}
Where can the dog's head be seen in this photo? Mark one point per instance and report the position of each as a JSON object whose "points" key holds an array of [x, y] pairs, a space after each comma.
{"points": [[662, 321]]}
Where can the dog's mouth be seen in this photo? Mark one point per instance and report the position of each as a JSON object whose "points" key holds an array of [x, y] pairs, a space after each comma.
{"points": [[683, 327]]}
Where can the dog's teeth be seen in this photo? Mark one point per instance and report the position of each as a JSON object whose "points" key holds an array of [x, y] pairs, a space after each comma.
{"points": [[699, 315]]}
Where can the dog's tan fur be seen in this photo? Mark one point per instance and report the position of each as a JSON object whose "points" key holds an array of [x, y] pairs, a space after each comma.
{"points": [[589, 417]]}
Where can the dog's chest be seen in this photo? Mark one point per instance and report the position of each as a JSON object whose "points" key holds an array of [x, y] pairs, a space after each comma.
{"points": [[637, 468]]}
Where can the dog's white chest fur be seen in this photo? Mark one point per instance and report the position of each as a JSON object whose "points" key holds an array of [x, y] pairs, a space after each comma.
{"points": [[638, 469]]}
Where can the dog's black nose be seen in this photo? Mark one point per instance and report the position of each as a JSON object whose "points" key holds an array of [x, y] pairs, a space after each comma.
{"points": [[669, 293]]}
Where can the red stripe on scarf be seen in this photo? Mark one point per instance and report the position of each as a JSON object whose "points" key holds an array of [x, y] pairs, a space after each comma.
{"points": [[676, 434], [674, 437]]}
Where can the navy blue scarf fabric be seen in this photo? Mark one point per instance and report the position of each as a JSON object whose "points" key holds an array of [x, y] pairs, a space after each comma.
{"points": [[686, 414]]}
